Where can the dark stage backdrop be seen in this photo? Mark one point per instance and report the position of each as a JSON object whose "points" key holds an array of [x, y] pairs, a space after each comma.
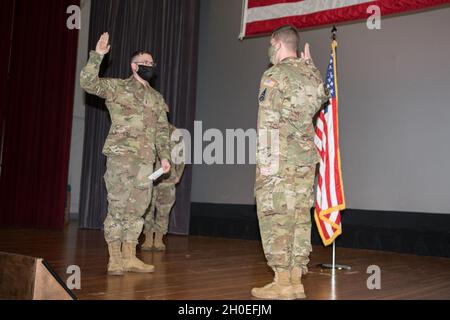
{"points": [[36, 110], [6, 19], [168, 29]]}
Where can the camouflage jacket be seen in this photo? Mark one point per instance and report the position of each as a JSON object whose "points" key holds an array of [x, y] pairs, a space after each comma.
{"points": [[177, 169], [291, 94], [139, 125]]}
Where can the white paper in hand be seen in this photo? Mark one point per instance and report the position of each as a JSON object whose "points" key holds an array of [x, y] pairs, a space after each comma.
{"points": [[156, 174]]}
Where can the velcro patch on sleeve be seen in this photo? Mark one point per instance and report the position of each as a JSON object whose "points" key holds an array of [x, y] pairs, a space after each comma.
{"points": [[270, 83], [262, 97]]}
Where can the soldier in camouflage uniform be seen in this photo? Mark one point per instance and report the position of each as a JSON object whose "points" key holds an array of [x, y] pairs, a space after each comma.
{"points": [[139, 130], [164, 196], [291, 94]]}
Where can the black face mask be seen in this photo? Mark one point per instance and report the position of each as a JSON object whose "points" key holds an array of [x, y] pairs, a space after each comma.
{"points": [[146, 72]]}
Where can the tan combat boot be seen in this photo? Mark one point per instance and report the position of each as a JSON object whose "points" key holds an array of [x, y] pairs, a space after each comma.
{"points": [[279, 289], [148, 244], [115, 265], [296, 281], [158, 245], [131, 263]]}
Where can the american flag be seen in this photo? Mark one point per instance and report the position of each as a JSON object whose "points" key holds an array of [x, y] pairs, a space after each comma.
{"points": [[330, 189], [263, 16]]}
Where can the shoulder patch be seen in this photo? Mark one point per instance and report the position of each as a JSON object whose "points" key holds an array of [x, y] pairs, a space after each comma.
{"points": [[269, 83], [262, 97]]}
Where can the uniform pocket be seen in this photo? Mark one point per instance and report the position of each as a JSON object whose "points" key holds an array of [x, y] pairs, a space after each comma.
{"points": [[280, 202], [142, 179]]}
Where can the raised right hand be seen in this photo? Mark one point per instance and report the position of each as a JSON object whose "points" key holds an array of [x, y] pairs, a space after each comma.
{"points": [[102, 44]]}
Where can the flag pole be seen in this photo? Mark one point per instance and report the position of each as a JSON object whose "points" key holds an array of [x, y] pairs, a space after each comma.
{"points": [[333, 33], [243, 19], [334, 256], [333, 266]]}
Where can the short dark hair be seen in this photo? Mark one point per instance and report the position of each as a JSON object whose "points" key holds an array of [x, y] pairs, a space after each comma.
{"points": [[288, 35], [139, 53]]}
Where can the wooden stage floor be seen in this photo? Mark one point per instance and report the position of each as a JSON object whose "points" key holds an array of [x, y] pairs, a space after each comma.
{"points": [[200, 268]]}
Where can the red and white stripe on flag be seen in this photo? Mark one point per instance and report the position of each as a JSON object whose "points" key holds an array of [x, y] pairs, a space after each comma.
{"points": [[263, 16], [330, 189]]}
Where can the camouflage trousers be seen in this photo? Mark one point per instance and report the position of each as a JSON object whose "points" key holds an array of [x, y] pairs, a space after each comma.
{"points": [[283, 205], [157, 217], [129, 195]]}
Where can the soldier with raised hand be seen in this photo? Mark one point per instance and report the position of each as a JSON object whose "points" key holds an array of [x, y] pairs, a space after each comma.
{"points": [[164, 196], [139, 133], [291, 94]]}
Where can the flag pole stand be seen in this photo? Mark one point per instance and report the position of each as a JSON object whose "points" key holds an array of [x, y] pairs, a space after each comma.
{"points": [[333, 266]]}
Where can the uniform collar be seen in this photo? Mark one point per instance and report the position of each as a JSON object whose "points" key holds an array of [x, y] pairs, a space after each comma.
{"points": [[135, 84], [289, 60]]}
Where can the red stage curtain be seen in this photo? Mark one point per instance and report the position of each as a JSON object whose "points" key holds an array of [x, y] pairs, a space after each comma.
{"points": [[38, 115]]}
